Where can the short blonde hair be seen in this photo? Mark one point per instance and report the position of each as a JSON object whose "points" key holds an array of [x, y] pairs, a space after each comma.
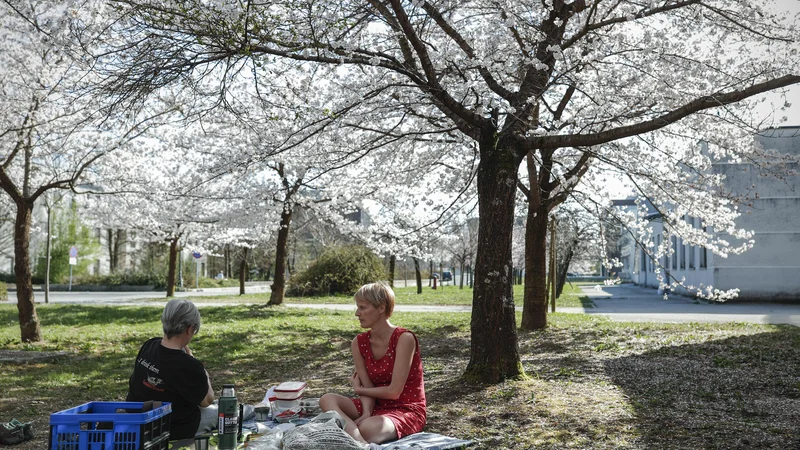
{"points": [[377, 294]]}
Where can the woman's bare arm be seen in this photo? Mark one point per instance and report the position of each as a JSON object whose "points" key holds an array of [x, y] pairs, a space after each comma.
{"points": [[406, 344]]}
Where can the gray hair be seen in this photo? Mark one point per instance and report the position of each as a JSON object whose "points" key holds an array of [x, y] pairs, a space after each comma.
{"points": [[178, 315]]}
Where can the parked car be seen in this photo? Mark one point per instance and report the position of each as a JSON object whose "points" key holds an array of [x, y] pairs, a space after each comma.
{"points": [[447, 275]]}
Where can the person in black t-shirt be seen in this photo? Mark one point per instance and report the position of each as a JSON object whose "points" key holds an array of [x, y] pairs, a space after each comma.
{"points": [[165, 369]]}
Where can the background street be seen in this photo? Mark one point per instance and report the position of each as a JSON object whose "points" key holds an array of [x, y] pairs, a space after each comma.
{"points": [[621, 303]]}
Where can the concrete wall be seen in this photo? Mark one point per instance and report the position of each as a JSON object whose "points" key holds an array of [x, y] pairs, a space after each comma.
{"points": [[771, 208]]}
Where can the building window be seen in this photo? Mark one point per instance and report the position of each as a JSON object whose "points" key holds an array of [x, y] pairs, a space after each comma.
{"points": [[682, 254], [674, 253], [658, 247], [691, 247], [704, 254], [643, 264]]}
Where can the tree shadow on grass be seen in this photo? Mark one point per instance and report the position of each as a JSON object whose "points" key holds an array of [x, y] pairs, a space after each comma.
{"points": [[735, 393], [77, 315], [74, 315]]}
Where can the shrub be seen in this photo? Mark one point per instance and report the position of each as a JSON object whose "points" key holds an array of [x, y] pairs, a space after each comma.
{"points": [[128, 278], [213, 282], [3, 292], [339, 270]]}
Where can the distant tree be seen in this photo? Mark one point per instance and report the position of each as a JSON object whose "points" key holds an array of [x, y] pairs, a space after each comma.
{"points": [[51, 131], [577, 237], [68, 231]]}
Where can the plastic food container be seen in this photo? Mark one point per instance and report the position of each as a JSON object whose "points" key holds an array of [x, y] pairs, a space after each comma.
{"points": [[288, 415], [290, 390], [286, 404], [310, 407]]}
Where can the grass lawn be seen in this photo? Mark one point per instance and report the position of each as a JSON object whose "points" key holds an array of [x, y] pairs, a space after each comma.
{"points": [[591, 383], [572, 297]]}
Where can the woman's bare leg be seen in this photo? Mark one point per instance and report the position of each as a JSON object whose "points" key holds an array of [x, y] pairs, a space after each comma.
{"points": [[377, 429], [347, 409]]}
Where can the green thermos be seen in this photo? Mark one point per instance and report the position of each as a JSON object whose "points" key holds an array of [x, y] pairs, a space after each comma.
{"points": [[228, 426]]}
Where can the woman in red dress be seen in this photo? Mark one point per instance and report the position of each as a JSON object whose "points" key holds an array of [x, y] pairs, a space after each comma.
{"points": [[388, 377]]}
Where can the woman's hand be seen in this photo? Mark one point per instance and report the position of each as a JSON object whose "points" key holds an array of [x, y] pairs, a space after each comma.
{"points": [[355, 381], [361, 419]]}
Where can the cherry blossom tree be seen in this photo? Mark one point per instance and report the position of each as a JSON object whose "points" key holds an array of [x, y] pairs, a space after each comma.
{"points": [[170, 189], [51, 130], [561, 84]]}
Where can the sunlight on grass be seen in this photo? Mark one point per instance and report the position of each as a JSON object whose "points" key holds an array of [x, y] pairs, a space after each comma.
{"points": [[592, 382]]}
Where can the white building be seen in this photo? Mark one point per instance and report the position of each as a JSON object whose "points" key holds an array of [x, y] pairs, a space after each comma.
{"points": [[768, 271]]}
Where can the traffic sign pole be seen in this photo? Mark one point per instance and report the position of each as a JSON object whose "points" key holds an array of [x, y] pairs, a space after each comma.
{"points": [[197, 256], [73, 259]]}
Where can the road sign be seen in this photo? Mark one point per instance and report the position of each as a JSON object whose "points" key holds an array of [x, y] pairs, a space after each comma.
{"points": [[73, 252], [197, 255]]}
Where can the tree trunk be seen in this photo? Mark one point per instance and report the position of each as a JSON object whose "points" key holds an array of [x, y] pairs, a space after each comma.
{"points": [[279, 283], [226, 254], [494, 353], [242, 271], [430, 274], [563, 268], [553, 265], [113, 238], [110, 246], [534, 311], [30, 330], [418, 275], [173, 264], [392, 260], [47, 255], [461, 278]]}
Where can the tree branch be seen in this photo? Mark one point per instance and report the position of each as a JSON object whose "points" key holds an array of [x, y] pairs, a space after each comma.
{"points": [[697, 105]]}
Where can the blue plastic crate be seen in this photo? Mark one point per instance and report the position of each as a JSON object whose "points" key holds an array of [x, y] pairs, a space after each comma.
{"points": [[110, 426]]}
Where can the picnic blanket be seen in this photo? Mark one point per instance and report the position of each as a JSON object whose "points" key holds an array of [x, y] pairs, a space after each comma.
{"points": [[425, 441], [416, 441]]}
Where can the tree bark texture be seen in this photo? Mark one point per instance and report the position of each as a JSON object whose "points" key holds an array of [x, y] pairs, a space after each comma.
{"points": [[242, 271], [281, 252], [392, 260], [534, 312], [418, 274], [30, 329], [494, 354], [173, 264]]}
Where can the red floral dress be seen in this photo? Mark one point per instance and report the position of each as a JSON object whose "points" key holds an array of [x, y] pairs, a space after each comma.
{"points": [[408, 413]]}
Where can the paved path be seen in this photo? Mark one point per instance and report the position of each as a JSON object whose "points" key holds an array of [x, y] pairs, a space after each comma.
{"points": [[621, 302], [633, 303]]}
